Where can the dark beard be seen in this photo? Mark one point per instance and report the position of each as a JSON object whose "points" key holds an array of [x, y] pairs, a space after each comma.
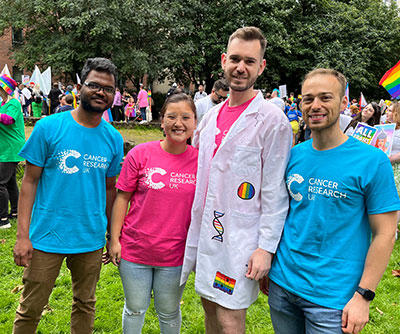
{"points": [[89, 108]]}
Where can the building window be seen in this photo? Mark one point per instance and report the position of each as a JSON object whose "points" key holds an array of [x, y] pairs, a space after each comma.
{"points": [[17, 73], [17, 36]]}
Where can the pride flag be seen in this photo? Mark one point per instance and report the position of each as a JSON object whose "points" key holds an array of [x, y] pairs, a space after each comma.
{"points": [[391, 81], [107, 116]]}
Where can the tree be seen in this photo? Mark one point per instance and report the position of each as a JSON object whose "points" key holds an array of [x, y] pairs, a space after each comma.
{"points": [[63, 34]]}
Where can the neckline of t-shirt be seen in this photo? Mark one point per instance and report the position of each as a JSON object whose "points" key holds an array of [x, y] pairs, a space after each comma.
{"points": [[240, 107], [76, 124], [348, 141], [171, 154]]}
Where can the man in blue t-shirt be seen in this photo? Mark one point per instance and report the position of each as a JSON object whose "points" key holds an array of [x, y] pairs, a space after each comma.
{"points": [[67, 192], [327, 267]]}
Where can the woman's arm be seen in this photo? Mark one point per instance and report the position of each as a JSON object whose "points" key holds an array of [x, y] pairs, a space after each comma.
{"points": [[117, 220]]}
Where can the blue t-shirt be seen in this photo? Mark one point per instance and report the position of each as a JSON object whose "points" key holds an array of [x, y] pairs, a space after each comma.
{"points": [[69, 213], [293, 115], [327, 233]]}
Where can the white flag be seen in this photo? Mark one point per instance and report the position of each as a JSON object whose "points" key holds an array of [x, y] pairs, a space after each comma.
{"points": [[5, 71], [47, 81], [363, 101]]}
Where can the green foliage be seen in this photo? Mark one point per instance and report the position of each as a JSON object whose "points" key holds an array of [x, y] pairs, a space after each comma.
{"points": [[184, 40]]}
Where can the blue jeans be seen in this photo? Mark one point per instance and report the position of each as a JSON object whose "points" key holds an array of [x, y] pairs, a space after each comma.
{"points": [[143, 113], [291, 314], [138, 281]]}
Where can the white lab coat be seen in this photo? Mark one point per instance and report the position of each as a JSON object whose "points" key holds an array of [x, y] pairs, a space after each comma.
{"points": [[228, 225]]}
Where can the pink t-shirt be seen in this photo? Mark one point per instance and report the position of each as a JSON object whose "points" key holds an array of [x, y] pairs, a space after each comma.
{"points": [[142, 99], [226, 117], [163, 184]]}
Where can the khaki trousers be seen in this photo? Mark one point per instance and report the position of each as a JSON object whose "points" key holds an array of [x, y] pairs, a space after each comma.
{"points": [[39, 280]]}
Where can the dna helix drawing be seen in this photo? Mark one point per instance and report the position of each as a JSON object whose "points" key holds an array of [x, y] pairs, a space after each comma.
{"points": [[218, 226]]}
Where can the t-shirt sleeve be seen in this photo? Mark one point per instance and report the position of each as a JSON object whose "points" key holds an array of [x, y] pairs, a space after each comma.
{"points": [[36, 148], [115, 165], [129, 176], [381, 193]]}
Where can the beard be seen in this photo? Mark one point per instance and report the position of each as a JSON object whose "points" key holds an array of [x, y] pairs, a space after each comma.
{"points": [[240, 88], [86, 105]]}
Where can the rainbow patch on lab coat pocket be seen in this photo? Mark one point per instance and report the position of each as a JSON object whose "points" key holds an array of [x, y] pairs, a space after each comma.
{"points": [[224, 283], [246, 191]]}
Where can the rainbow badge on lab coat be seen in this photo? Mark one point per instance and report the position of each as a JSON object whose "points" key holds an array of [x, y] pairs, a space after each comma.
{"points": [[246, 191], [224, 283]]}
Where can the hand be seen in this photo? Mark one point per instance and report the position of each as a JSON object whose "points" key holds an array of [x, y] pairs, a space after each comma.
{"points": [[264, 285], [259, 264], [105, 258], [355, 314], [23, 252], [114, 252]]}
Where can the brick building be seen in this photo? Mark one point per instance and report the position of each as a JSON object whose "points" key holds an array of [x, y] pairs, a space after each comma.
{"points": [[7, 40]]}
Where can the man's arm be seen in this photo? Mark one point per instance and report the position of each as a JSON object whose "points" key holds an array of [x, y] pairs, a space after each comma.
{"points": [[23, 246], [110, 198], [356, 312]]}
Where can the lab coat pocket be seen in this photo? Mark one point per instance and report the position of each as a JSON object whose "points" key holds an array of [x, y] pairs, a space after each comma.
{"points": [[244, 237], [246, 160]]}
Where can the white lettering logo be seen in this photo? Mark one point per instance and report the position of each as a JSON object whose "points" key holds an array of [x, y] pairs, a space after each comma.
{"points": [[62, 158], [295, 178], [149, 182]]}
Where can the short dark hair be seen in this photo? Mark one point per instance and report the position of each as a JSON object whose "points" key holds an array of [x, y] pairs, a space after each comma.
{"points": [[175, 98], [250, 34], [221, 84], [100, 65], [69, 99]]}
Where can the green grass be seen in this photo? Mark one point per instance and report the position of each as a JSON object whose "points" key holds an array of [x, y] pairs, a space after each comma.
{"points": [[384, 315]]}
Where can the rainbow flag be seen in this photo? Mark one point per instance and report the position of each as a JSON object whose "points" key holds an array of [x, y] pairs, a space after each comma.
{"points": [[391, 81], [107, 116]]}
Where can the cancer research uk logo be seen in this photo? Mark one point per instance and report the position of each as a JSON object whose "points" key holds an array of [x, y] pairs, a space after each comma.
{"points": [[175, 178], [316, 187], [69, 159]]}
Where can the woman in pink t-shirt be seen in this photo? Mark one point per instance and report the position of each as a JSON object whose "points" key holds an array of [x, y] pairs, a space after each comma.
{"points": [[158, 180]]}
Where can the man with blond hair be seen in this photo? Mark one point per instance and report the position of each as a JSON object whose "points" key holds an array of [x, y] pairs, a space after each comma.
{"points": [[241, 201], [342, 192]]}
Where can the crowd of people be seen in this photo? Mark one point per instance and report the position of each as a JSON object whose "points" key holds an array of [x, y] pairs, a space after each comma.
{"points": [[127, 105], [226, 194]]}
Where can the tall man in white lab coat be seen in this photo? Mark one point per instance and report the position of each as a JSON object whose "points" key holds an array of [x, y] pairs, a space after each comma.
{"points": [[241, 201]]}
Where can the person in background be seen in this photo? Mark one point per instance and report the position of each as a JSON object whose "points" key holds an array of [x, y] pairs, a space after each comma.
{"points": [[394, 112], [12, 138], [116, 109], [142, 102], [157, 183], [370, 115], [36, 106], [199, 94], [54, 94], [66, 103], [129, 109], [218, 94]]}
